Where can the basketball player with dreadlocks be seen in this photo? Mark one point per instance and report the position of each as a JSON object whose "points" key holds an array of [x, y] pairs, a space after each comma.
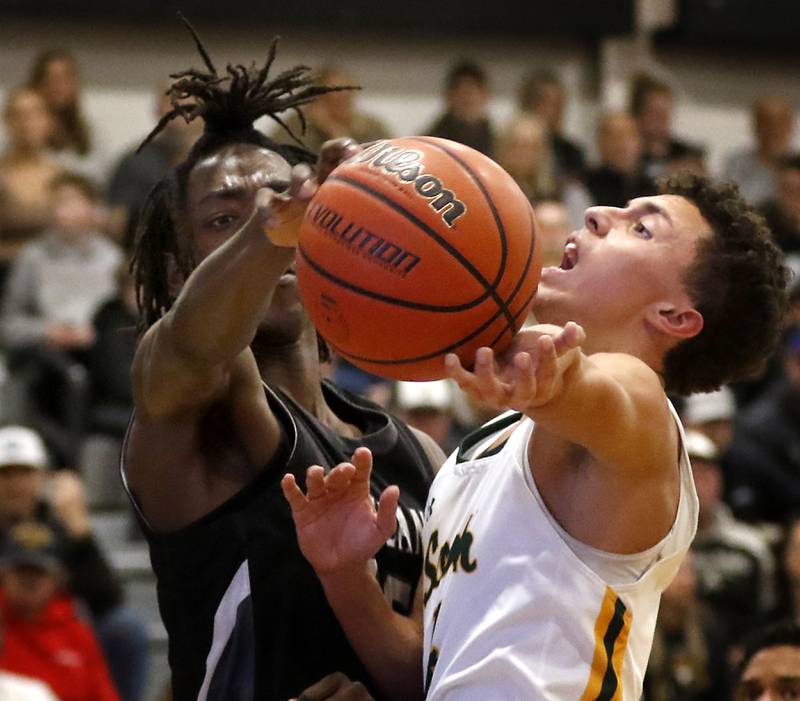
{"points": [[229, 395]]}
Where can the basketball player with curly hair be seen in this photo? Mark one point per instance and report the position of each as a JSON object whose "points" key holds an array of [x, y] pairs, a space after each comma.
{"points": [[552, 531], [229, 395]]}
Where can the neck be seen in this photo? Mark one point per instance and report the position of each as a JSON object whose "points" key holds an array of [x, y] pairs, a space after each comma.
{"points": [[294, 368]]}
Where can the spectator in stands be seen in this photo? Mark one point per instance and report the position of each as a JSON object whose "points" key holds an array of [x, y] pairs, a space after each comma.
{"points": [[764, 456], [466, 117], [651, 104], [25, 172], [111, 357], [692, 160], [782, 212], [788, 607], [28, 493], [522, 150], [552, 220], [687, 662], [755, 169], [428, 406], [618, 177], [138, 170], [735, 568], [770, 669], [58, 279], [334, 115], [43, 636], [542, 94], [52, 291], [54, 75], [711, 414]]}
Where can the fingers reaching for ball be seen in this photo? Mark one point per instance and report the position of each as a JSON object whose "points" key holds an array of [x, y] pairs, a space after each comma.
{"points": [[528, 376]]}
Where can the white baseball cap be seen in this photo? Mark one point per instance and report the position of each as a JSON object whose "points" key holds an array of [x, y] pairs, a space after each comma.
{"points": [[21, 447], [709, 406], [701, 447], [424, 395]]}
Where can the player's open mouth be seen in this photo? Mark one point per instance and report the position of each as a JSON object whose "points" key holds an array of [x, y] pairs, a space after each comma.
{"points": [[289, 275], [570, 258]]}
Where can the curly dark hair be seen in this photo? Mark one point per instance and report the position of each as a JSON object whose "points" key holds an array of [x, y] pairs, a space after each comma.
{"points": [[738, 283], [228, 104]]}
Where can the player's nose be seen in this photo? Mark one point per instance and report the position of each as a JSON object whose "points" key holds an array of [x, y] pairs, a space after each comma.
{"points": [[599, 220]]}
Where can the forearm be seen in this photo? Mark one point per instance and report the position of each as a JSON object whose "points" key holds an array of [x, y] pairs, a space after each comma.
{"points": [[388, 644], [224, 300], [609, 405]]}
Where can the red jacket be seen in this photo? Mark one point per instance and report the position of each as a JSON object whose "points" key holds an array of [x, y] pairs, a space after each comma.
{"points": [[58, 648]]}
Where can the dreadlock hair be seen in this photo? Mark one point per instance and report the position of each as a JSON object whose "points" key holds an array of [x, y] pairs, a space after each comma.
{"points": [[228, 104], [737, 281]]}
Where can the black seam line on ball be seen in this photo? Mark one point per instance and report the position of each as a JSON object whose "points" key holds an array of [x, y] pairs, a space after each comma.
{"points": [[395, 301], [497, 220], [524, 275], [427, 356], [397, 207]]}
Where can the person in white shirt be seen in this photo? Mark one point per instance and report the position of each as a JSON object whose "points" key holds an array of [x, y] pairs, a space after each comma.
{"points": [[552, 532]]}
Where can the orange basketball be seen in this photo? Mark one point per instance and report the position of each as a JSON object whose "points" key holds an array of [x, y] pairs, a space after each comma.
{"points": [[415, 248]]}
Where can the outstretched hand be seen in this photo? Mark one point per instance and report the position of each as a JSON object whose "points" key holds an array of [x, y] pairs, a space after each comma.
{"points": [[286, 209], [528, 375], [336, 521]]}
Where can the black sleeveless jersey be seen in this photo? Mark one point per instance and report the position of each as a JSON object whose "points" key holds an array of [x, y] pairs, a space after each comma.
{"points": [[246, 615]]}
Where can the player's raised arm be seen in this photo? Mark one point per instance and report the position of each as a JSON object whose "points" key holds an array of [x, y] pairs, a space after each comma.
{"points": [[610, 403], [339, 530]]}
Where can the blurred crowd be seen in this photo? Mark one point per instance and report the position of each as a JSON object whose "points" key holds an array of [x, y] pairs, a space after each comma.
{"points": [[68, 333]]}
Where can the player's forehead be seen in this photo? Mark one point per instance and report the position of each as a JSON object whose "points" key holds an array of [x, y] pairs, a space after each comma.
{"points": [[237, 168], [780, 661]]}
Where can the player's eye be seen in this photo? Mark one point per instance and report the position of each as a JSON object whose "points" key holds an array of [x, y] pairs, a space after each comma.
{"points": [[222, 221], [642, 230]]}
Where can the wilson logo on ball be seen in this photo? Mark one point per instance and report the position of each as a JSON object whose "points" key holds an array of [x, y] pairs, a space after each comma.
{"points": [[406, 165]]}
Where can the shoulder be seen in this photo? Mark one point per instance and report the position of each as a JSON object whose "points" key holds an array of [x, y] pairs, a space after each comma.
{"points": [[433, 451]]}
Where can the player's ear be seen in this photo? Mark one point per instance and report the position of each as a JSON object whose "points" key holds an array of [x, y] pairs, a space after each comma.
{"points": [[675, 321]]}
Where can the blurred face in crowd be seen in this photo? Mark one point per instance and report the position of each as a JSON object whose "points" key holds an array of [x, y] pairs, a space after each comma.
{"points": [[552, 223], [28, 121], [789, 192], [20, 487], [28, 588], [59, 85], [655, 117], [468, 99], [176, 129], [680, 596], [522, 147], [619, 142], [74, 214], [720, 431], [338, 105], [772, 675], [550, 105], [773, 122]]}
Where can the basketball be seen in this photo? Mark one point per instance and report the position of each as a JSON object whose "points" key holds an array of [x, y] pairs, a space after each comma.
{"points": [[415, 248]]}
